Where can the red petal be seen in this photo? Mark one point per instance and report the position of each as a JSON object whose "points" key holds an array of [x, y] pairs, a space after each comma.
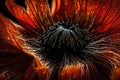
{"points": [[41, 70], [8, 31], [87, 70], [39, 9], [107, 16], [72, 9], [20, 13], [98, 13], [72, 72], [63, 8], [116, 74], [14, 62]]}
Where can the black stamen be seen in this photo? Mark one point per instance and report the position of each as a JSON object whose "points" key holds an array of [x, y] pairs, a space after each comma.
{"points": [[60, 40]]}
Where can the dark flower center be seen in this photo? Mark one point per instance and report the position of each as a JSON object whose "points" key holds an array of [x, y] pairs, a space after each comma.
{"points": [[63, 40]]}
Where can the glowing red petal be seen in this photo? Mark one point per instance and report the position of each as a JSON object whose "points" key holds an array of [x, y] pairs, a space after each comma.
{"points": [[116, 74], [72, 9], [20, 13], [63, 8], [71, 72], [14, 62], [39, 9], [106, 19], [107, 16]]}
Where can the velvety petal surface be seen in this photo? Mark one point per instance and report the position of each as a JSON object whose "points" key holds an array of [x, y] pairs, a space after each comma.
{"points": [[99, 26], [14, 62], [35, 18], [95, 15], [21, 14], [40, 10]]}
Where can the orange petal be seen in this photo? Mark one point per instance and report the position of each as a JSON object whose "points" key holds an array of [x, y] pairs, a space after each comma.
{"points": [[14, 62], [20, 13], [63, 8], [13, 65], [116, 74], [72, 9], [41, 70], [86, 71], [71, 72], [98, 13], [39, 9], [107, 16], [8, 31], [55, 6]]}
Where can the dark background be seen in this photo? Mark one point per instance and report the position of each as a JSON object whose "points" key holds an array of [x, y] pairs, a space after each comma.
{"points": [[6, 13]]}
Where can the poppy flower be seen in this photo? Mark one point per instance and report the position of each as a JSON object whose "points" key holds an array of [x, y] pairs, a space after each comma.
{"points": [[71, 40]]}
